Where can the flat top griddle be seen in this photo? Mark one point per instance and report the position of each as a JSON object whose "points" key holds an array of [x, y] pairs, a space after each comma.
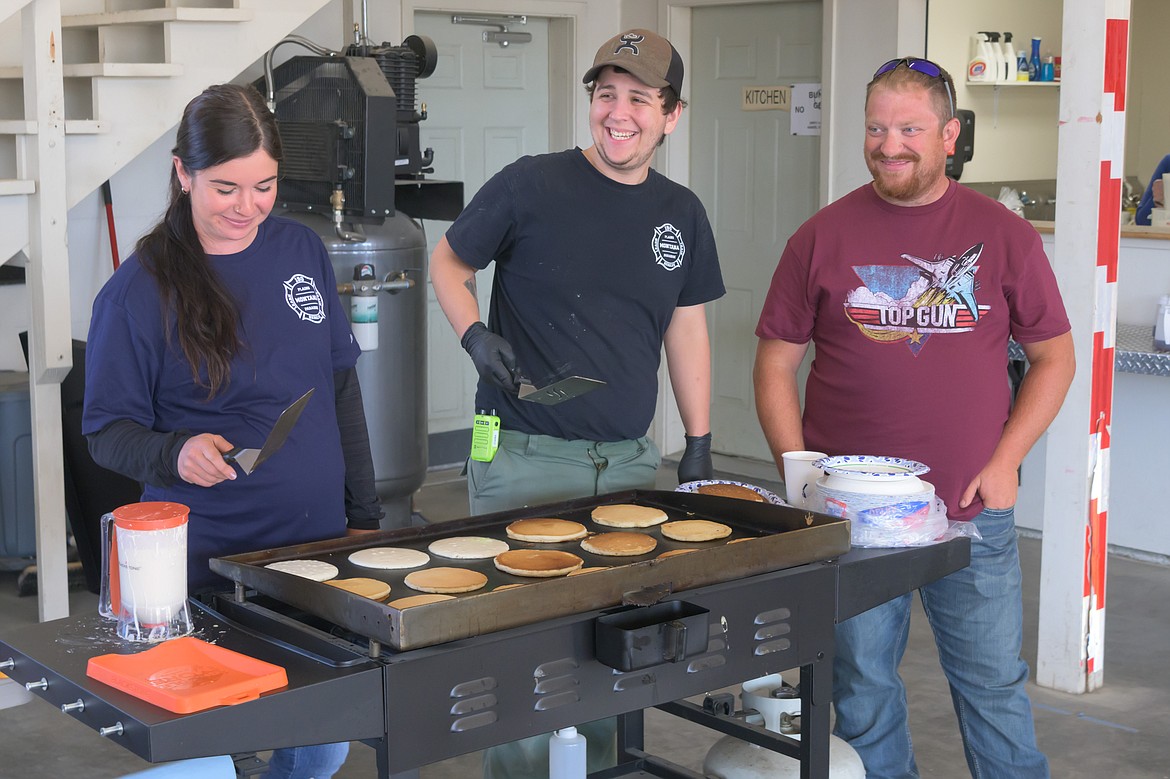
{"points": [[766, 537]]}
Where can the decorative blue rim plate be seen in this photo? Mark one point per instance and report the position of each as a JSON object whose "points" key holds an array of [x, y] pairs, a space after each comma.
{"points": [[768, 495], [868, 466]]}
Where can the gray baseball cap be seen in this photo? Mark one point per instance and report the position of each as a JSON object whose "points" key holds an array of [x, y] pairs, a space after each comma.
{"points": [[645, 54]]}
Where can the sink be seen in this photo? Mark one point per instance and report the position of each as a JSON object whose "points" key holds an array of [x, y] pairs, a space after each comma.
{"points": [[1040, 212]]}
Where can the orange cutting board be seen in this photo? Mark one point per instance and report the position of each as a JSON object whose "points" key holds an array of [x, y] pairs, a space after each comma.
{"points": [[186, 675]]}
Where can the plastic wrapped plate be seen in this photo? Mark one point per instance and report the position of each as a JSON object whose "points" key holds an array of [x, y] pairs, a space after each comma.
{"points": [[768, 495]]}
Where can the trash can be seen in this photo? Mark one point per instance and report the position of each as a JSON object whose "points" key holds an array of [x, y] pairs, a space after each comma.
{"points": [[17, 517]]}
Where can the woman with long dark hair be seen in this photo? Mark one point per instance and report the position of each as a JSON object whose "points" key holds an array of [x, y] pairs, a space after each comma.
{"points": [[221, 317]]}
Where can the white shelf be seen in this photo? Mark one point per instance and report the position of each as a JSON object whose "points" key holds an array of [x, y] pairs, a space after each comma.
{"points": [[1013, 83]]}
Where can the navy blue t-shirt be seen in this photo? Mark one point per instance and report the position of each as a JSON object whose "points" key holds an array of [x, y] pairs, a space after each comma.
{"points": [[588, 274], [1142, 217], [296, 336]]}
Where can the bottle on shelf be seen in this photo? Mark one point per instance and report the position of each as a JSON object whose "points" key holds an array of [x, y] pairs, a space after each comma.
{"points": [[981, 66], [1021, 65], [1048, 68], [995, 55], [1034, 64], [1009, 57]]}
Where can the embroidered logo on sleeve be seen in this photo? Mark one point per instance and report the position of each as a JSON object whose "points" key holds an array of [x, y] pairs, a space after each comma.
{"points": [[901, 303], [300, 292], [668, 246]]}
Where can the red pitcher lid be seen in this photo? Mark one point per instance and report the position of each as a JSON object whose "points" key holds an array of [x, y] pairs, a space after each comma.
{"points": [[150, 515]]}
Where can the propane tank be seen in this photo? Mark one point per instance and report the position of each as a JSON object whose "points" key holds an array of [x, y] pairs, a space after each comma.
{"points": [[778, 705], [393, 374]]}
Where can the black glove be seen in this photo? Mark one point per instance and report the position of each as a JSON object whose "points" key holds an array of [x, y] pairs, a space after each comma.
{"points": [[492, 355], [695, 464]]}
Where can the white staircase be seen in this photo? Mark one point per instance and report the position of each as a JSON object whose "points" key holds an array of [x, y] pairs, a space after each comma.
{"points": [[127, 73], [82, 94]]}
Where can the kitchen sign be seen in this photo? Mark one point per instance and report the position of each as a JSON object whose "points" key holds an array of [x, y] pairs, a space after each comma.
{"points": [[802, 100], [766, 98]]}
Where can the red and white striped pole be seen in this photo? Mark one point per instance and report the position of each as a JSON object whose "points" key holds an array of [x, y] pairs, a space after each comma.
{"points": [[1095, 49]]}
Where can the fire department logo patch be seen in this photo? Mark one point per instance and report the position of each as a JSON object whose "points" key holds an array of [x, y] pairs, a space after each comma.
{"points": [[668, 246], [302, 296]]}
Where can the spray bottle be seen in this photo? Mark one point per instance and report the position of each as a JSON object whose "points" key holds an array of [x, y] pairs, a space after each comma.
{"points": [[1009, 55], [981, 66], [994, 55]]}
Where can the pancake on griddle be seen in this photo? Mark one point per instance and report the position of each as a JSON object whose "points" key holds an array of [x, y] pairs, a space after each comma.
{"points": [[317, 570], [675, 552], [543, 530], [695, 530], [542, 563], [619, 544], [443, 579], [419, 600], [468, 547], [389, 558], [628, 515], [360, 585], [732, 491]]}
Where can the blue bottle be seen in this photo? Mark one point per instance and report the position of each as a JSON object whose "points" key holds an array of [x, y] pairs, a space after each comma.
{"points": [[1034, 66]]}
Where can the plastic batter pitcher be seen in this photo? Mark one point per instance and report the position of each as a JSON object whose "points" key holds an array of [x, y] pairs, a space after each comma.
{"points": [[144, 571]]}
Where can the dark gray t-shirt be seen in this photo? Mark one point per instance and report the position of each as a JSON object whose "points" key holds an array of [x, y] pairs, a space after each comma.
{"points": [[588, 274]]}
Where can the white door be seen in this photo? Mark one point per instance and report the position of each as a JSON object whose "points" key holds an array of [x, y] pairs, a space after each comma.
{"points": [[487, 105], [757, 181]]}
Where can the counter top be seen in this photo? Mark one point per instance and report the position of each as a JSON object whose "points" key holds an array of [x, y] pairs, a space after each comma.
{"points": [[1134, 352], [1159, 233]]}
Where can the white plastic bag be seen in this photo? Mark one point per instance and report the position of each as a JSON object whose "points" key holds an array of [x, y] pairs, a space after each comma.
{"points": [[901, 523], [1011, 200]]}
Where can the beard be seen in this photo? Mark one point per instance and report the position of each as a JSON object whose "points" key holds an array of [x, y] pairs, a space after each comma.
{"points": [[922, 179], [638, 158]]}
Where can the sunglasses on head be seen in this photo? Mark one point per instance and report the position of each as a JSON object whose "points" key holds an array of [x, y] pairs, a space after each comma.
{"points": [[925, 67]]}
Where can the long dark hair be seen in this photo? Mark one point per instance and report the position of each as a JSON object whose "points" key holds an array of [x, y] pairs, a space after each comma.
{"points": [[224, 123]]}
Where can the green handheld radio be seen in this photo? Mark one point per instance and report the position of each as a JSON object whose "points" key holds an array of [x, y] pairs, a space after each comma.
{"points": [[485, 437]]}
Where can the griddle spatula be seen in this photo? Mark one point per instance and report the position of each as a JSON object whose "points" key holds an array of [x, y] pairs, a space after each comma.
{"points": [[558, 391], [250, 459]]}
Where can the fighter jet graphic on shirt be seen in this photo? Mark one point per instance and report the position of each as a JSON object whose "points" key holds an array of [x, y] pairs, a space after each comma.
{"points": [[950, 277], [910, 302]]}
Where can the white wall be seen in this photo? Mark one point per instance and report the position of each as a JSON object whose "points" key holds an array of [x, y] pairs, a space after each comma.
{"points": [[1147, 120], [859, 36]]}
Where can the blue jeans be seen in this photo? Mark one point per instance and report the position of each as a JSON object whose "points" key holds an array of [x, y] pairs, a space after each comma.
{"points": [[320, 761], [976, 615]]}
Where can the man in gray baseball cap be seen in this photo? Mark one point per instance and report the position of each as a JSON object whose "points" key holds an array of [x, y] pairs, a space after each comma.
{"points": [[644, 54], [600, 262]]}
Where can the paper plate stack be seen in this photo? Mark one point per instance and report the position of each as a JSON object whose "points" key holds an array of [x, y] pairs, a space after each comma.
{"points": [[886, 501]]}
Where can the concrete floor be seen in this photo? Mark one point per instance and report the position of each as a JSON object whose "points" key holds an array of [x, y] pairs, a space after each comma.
{"points": [[1119, 731]]}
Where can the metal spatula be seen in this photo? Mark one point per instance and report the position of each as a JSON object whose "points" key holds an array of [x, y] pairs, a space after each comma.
{"points": [[559, 391], [250, 459]]}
